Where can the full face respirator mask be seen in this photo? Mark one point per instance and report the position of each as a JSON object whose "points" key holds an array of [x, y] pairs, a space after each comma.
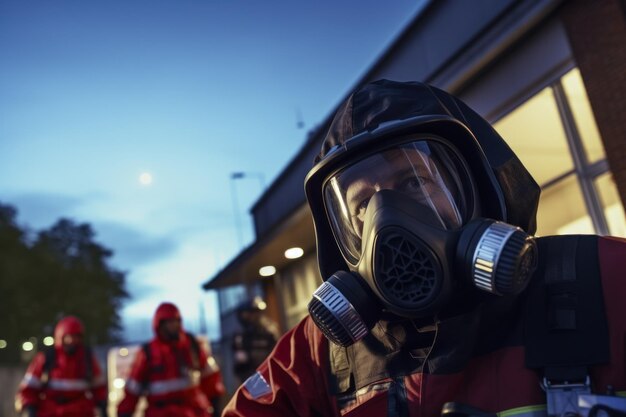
{"points": [[406, 217]]}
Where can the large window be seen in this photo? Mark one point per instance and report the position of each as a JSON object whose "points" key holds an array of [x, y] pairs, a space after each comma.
{"points": [[555, 136]]}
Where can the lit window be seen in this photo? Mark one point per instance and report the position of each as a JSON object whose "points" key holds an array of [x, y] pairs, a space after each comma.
{"points": [[535, 133], [612, 205], [585, 122]]}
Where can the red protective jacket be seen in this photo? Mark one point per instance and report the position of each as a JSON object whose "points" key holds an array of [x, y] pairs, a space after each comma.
{"points": [[66, 390], [477, 362], [175, 380]]}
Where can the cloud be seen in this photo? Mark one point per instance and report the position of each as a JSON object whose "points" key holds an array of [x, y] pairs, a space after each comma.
{"points": [[41, 210], [133, 248]]}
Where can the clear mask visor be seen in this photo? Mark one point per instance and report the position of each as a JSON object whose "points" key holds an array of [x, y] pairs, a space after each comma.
{"points": [[427, 171]]}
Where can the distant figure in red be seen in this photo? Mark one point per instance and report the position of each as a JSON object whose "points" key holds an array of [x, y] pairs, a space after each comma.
{"points": [[176, 374], [64, 380]]}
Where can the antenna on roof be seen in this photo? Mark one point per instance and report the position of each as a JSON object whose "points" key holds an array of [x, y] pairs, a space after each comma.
{"points": [[299, 121]]}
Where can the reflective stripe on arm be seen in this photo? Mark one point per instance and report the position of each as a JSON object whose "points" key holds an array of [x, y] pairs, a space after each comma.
{"points": [[31, 381], [134, 387], [171, 385], [68, 384], [211, 367]]}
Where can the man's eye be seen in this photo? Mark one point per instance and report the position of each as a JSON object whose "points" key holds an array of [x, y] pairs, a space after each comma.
{"points": [[412, 184], [361, 208]]}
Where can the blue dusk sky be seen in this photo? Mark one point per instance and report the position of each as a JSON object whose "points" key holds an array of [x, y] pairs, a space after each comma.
{"points": [[93, 94]]}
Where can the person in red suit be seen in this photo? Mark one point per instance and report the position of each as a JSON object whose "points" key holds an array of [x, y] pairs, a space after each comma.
{"points": [[437, 299], [173, 371], [65, 380]]}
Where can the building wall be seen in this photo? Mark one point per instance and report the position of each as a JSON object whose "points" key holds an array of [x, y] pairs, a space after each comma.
{"points": [[597, 33]]}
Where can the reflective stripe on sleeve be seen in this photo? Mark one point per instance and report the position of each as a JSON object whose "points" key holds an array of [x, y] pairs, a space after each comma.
{"points": [[211, 367], [171, 385], [68, 384], [31, 381], [527, 411], [133, 386], [257, 386]]}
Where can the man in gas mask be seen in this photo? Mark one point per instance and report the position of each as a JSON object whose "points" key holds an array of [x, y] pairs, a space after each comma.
{"points": [[436, 298]]}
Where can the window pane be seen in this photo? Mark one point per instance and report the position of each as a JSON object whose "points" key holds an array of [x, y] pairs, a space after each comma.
{"points": [[612, 205], [562, 210], [231, 297], [535, 133], [585, 122]]}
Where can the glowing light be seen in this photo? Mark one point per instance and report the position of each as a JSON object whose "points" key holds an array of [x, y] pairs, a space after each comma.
{"points": [[145, 178], [267, 271], [119, 383], [3, 343], [262, 305], [294, 253], [123, 352], [48, 340], [27, 346]]}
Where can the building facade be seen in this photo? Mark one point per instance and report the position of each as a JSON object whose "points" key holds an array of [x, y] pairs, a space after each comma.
{"points": [[551, 77]]}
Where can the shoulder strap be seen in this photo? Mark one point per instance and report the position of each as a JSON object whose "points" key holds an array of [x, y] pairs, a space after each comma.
{"points": [[88, 364], [565, 328], [195, 350], [50, 358], [146, 381]]}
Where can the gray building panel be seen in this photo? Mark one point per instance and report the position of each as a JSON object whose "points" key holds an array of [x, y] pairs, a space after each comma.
{"points": [[543, 56]]}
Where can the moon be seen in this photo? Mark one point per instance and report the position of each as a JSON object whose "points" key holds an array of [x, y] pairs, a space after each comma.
{"points": [[145, 179]]}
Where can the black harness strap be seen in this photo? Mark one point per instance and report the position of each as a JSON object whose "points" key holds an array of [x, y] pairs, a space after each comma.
{"points": [[195, 351], [50, 358], [146, 380], [397, 405], [566, 330]]}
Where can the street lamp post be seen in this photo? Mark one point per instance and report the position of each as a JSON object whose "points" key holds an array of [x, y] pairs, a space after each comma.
{"points": [[233, 190]]}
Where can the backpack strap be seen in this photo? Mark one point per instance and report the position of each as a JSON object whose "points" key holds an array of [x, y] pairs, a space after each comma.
{"points": [[50, 358], [88, 364], [565, 328], [195, 350], [146, 381]]}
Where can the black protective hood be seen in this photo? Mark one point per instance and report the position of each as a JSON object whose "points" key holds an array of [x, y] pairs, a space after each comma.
{"points": [[426, 109]]}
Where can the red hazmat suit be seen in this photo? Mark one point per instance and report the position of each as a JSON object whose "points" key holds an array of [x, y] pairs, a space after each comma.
{"points": [[178, 377], [62, 384]]}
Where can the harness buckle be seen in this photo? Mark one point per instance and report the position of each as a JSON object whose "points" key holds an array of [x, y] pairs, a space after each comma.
{"points": [[562, 396]]}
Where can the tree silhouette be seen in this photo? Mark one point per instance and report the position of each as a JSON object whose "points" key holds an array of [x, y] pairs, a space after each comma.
{"points": [[63, 271]]}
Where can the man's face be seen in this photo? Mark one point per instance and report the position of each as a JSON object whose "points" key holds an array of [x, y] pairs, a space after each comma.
{"points": [[427, 171], [170, 329], [71, 342], [410, 172]]}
